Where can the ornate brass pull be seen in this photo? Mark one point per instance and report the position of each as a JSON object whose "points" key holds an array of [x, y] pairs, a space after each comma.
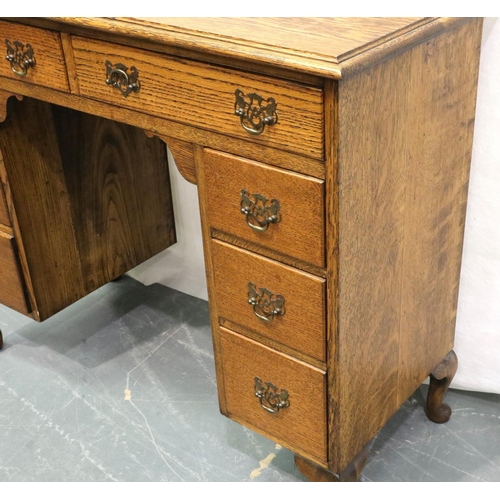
{"points": [[266, 305], [270, 399], [118, 77], [20, 56], [255, 112], [259, 213]]}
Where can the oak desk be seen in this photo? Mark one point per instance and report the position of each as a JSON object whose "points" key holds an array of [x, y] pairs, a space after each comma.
{"points": [[332, 160]]}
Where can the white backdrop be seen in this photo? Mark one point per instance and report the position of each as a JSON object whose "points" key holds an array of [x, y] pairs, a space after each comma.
{"points": [[477, 341]]}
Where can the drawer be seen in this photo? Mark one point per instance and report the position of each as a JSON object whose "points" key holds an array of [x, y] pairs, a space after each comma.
{"points": [[4, 213], [202, 95], [296, 297], [12, 292], [249, 367], [49, 69], [234, 184]]}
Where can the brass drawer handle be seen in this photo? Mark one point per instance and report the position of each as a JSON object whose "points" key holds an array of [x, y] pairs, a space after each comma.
{"points": [[117, 76], [270, 398], [266, 305], [255, 112], [259, 213], [20, 56]]}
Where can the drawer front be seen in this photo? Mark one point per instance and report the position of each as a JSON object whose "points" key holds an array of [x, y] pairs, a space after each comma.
{"points": [[243, 196], [49, 69], [12, 293], [300, 422], [202, 95], [4, 213], [272, 299]]}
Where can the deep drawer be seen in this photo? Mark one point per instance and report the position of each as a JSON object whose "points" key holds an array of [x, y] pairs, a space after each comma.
{"points": [[12, 293], [242, 195], [300, 389], [49, 69], [201, 95], [242, 277]]}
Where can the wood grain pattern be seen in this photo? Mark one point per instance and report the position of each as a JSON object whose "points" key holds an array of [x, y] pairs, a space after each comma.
{"points": [[290, 35], [156, 44], [436, 198], [418, 35], [28, 141], [300, 234], [12, 291], [191, 92], [370, 161], [302, 327], [85, 213], [405, 130], [161, 127], [14, 230], [350, 474], [267, 252], [209, 270], [4, 212], [119, 188], [183, 155], [244, 40], [50, 69], [69, 59], [378, 216], [268, 341], [332, 267], [301, 426]]}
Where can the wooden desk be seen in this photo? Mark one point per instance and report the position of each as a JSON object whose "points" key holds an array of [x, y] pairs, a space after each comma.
{"points": [[332, 160]]}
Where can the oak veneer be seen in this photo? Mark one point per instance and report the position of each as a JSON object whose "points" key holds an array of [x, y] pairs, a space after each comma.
{"points": [[188, 92], [403, 167], [301, 214], [302, 327], [85, 214], [4, 214], [369, 161], [12, 289], [301, 426], [50, 69]]}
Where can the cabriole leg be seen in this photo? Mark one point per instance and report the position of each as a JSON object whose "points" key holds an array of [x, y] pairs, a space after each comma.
{"points": [[440, 380]]}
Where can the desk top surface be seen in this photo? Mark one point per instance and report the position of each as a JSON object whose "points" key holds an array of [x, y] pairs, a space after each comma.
{"points": [[328, 47]]}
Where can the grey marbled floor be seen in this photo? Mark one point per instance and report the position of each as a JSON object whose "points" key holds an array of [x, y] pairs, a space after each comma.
{"points": [[121, 387]]}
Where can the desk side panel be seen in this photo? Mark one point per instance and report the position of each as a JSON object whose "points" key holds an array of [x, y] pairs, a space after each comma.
{"points": [[405, 137]]}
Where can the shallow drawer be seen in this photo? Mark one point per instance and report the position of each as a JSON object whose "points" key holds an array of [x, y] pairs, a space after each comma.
{"points": [[12, 293], [293, 412], [49, 69], [243, 196], [272, 299], [4, 213], [201, 95]]}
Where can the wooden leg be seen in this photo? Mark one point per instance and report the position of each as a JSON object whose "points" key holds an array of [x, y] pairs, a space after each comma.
{"points": [[440, 380], [350, 474], [1, 339]]}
